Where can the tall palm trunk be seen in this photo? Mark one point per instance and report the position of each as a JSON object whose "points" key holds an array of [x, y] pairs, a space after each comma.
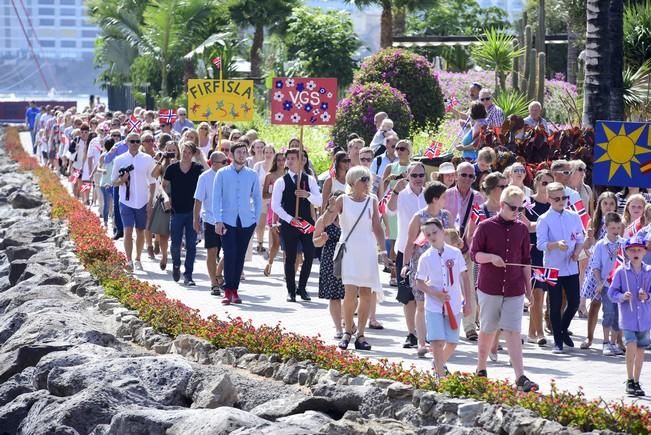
{"points": [[597, 63], [386, 25], [572, 55], [399, 21], [256, 49], [616, 39]]}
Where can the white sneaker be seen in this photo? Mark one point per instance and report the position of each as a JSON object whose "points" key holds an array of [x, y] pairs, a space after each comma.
{"points": [[607, 350], [492, 356], [616, 349], [137, 265]]}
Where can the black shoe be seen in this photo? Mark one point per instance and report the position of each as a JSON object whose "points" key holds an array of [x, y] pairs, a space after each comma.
{"points": [[118, 236], [410, 341], [631, 387], [558, 348], [567, 340], [362, 344], [303, 294], [481, 373], [638, 390], [176, 273], [215, 290], [525, 385], [188, 282], [291, 298]]}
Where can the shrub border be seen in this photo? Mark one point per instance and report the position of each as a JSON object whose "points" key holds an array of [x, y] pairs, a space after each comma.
{"points": [[99, 256]]}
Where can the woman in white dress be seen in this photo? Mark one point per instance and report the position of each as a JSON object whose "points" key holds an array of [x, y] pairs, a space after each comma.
{"points": [[359, 272]]}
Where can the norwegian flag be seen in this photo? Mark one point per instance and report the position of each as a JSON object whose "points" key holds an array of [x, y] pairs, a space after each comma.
{"points": [[384, 203], [545, 274], [134, 124], [421, 240], [85, 187], [166, 116], [633, 229], [451, 103], [583, 214], [217, 61], [477, 215], [435, 149], [74, 176], [332, 171], [619, 261], [302, 225]]}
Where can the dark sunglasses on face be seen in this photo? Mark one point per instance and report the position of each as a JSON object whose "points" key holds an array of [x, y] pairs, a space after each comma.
{"points": [[225, 150], [471, 176], [563, 172], [116, 135], [401, 148], [518, 171], [134, 140], [485, 99], [559, 198], [514, 208], [580, 169], [417, 175], [365, 179], [544, 183]]}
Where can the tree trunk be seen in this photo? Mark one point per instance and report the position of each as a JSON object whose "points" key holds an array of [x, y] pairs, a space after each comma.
{"points": [[597, 63], [399, 22], [386, 25], [256, 48], [572, 55], [163, 78], [540, 31], [616, 39]]}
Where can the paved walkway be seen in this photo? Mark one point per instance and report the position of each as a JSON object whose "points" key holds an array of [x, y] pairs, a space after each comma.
{"points": [[264, 303]]}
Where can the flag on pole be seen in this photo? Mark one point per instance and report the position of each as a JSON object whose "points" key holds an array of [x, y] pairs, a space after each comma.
{"points": [[435, 149], [74, 176], [302, 225], [217, 61], [619, 261], [166, 116], [421, 240], [384, 203], [453, 101], [133, 124], [85, 187], [477, 215], [545, 274], [579, 208], [633, 229], [332, 171]]}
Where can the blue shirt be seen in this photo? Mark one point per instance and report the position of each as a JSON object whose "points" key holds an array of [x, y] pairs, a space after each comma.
{"points": [[30, 115], [180, 125], [120, 148], [554, 226], [233, 193], [634, 315], [604, 255]]}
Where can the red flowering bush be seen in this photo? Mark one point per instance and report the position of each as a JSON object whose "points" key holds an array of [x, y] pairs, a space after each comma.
{"points": [[98, 254]]}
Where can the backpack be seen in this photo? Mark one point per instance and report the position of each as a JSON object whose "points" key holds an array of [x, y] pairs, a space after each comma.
{"points": [[72, 148]]}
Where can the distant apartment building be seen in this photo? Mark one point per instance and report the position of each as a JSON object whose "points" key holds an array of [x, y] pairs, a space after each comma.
{"points": [[513, 8]]}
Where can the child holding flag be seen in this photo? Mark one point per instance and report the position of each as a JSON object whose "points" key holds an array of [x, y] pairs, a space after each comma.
{"points": [[443, 277], [630, 290], [602, 262]]}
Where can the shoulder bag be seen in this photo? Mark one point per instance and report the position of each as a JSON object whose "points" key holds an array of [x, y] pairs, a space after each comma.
{"points": [[341, 246]]}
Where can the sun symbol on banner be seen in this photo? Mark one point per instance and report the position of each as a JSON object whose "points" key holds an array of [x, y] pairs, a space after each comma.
{"points": [[621, 149]]}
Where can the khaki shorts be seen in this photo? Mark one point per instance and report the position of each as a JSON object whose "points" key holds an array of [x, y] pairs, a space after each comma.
{"points": [[499, 312]]}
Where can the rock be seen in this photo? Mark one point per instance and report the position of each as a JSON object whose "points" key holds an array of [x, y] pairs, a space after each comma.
{"points": [[18, 384], [469, 412], [295, 404], [344, 397], [220, 421], [310, 420], [15, 412], [20, 252], [354, 423], [194, 348], [398, 390], [41, 275], [214, 393], [77, 356], [26, 356], [10, 324], [144, 421], [24, 200], [16, 269]]}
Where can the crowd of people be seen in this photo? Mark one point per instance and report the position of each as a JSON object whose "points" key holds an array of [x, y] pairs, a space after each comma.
{"points": [[467, 248]]}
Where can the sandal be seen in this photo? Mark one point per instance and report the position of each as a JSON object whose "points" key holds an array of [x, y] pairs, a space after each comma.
{"points": [[362, 344], [471, 335], [267, 269], [216, 290], [375, 325], [220, 281], [586, 344], [163, 264], [345, 340], [339, 335], [421, 352]]}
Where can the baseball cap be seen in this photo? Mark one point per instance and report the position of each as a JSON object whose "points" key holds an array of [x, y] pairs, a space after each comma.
{"points": [[446, 168], [635, 242]]}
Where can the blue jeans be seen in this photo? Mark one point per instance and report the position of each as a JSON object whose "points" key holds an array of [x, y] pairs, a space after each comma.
{"points": [[611, 313], [107, 195], [234, 243], [182, 223], [117, 218]]}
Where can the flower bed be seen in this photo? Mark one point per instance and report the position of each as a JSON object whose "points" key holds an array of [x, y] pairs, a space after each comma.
{"points": [[100, 257]]}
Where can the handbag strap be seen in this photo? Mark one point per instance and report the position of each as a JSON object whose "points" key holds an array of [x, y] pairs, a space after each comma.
{"points": [[357, 221]]}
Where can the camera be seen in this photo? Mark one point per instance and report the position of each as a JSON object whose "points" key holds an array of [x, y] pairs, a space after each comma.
{"points": [[125, 170], [400, 177], [170, 155]]}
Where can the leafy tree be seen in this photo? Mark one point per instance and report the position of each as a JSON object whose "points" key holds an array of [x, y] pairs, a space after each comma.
{"points": [[496, 52], [323, 43], [455, 17], [270, 14], [637, 33]]}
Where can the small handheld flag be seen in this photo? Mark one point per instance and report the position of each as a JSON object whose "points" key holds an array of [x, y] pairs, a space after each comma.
{"points": [[85, 187], [133, 124], [545, 274], [384, 203], [619, 261], [74, 176], [434, 150], [579, 208], [166, 116], [302, 225], [217, 61], [477, 215], [633, 229], [453, 101]]}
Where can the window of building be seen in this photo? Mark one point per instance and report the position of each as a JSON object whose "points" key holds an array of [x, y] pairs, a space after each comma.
{"points": [[68, 2], [47, 43], [46, 11], [45, 2], [67, 12], [87, 44], [68, 44], [68, 22], [89, 33], [46, 22]]}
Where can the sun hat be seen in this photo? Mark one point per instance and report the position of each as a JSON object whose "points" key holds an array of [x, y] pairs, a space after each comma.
{"points": [[446, 168]]}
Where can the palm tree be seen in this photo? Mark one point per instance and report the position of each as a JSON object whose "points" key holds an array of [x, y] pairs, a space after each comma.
{"points": [[389, 8], [597, 63], [260, 15], [496, 51], [616, 39]]}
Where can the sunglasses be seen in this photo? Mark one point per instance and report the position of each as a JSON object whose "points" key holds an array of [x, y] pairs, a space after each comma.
{"points": [[116, 135], [519, 171], [365, 179], [84, 130], [203, 128], [225, 150], [365, 159], [514, 208], [502, 186], [417, 175], [580, 169], [563, 172], [344, 161], [485, 99], [471, 176], [559, 198], [544, 183], [134, 141], [401, 148]]}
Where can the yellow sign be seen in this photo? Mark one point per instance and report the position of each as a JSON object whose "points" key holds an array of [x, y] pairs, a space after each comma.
{"points": [[220, 100]]}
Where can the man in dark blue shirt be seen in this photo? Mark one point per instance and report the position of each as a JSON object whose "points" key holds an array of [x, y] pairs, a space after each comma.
{"points": [[30, 117]]}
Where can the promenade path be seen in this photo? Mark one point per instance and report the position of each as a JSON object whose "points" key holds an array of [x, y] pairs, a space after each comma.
{"points": [[264, 303]]}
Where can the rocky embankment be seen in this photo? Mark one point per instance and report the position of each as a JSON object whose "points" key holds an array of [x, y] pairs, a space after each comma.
{"points": [[74, 361]]}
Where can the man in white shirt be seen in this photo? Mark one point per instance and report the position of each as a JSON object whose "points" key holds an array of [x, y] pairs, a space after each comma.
{"points": [[382, 161], [132, 174]]}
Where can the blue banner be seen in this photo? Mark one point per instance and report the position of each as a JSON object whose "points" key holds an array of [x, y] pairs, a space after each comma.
{"points": [[622, 154]]}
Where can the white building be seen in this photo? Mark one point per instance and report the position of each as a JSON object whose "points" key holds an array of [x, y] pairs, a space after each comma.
{"points": [[513, 8]]}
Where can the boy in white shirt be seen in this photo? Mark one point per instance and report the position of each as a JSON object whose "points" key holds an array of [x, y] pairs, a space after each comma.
{"points": [[443, 277]]}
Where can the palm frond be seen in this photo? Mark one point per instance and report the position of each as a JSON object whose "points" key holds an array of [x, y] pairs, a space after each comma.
{"points": [[512, 103]]}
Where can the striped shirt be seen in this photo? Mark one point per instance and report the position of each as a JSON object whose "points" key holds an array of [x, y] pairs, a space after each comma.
{"points": [[494, 116]]}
